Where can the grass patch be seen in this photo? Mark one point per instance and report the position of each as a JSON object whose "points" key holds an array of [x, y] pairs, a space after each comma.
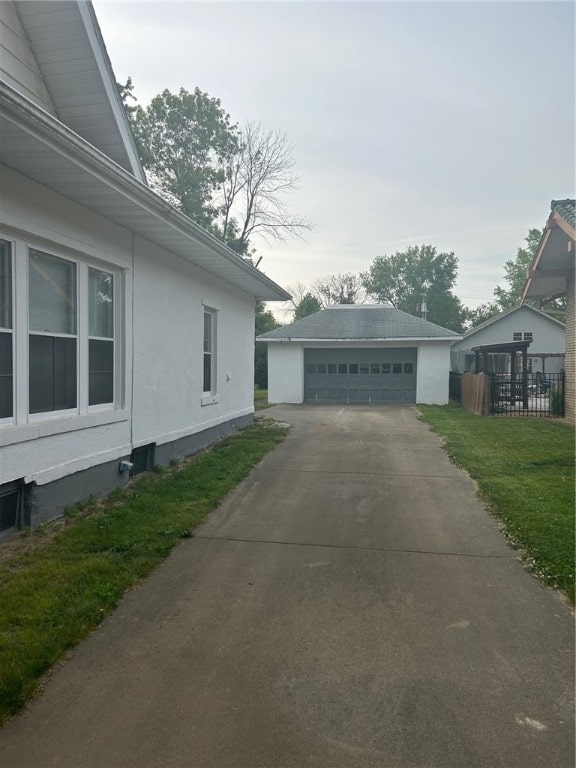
{"points": [[61, 580], [261, 399], [525, 472]]}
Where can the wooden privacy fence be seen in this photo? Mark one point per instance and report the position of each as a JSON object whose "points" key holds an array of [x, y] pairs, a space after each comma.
{"points": [[476, 393]]}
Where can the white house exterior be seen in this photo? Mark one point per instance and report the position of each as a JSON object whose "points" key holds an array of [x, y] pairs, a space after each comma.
{"points": [[359, 354], [126, 331], [522, 323]]}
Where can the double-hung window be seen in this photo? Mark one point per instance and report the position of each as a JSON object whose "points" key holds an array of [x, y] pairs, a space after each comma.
{"points": [[61, 343], [53, 339], [209, 373], [100, 337], [6, 332]]}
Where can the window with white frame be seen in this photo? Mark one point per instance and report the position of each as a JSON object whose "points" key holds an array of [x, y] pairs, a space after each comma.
{"points": [[65, 334], [209, 377], [100, 337], [6, 332], [53, 339]]}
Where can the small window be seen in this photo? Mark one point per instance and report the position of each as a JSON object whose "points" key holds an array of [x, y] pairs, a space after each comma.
{"points": [[364, 368], [528, 337], [11, 503], [143, 459], [353, 368], [311, 368], [321, 368], [374, 368], [342, 367], [332, 368], [408, 368], [209, 373], [386, 367], [396, 367], [517, 336]]}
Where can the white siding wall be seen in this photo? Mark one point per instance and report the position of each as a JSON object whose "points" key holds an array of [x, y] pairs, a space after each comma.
{"points": [[18, 66], [285, 373], [166, 296], [286, 370], [432, 373], [169, 299]]}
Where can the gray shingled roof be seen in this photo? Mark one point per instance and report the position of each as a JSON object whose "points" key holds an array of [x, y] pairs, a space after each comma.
{"points": [[566, 209], [359, 323]]}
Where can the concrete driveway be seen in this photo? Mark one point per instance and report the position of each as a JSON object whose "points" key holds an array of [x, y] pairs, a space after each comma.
{"points": [[350, 605]]}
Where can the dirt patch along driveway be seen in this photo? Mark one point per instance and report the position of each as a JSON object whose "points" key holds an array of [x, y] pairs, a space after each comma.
{"points": [[351, 604]]}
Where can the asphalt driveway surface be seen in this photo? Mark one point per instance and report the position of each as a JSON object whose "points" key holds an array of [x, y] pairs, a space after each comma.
{"points": [[351, 604]]}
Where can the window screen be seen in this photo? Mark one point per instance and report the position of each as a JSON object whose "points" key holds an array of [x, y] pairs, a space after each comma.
{"points": [[6, 356], [101, 337], [52, 343], [101, 304], [209, 344], [52, 294], [5, 285]]}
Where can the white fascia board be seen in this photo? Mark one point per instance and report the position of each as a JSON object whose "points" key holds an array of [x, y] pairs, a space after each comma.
{"points": [[58, 138]]}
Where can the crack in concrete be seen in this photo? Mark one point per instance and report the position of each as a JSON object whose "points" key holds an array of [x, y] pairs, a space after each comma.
{"points": [[511, 556]]}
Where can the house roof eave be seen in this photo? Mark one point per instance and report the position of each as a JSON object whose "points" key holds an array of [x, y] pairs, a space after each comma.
{"points": [[88, 177]]}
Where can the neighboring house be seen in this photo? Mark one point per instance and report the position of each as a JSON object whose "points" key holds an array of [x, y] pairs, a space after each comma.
{"points": [[552, 274], [522, 323], [126, 331], [359, 354]]}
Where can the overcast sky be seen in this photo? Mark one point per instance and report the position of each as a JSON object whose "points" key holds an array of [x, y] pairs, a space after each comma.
{"points": [[445, 123]]}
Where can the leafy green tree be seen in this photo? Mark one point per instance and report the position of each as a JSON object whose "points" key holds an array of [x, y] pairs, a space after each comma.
{"points": [[308, 305], [515, 271], [343, 288], [418, 274], [264, 322], [478, 315], [185, 141]]}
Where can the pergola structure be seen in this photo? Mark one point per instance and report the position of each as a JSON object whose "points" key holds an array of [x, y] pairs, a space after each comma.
{"points": [[512, 348]]}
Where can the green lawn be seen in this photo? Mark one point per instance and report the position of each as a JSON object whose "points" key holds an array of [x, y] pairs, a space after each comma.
{"points": [[58, 582], [260, 399], [525, 473]]}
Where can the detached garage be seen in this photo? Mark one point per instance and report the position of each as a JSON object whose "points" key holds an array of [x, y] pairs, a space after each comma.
{"points": [[375, 355]]}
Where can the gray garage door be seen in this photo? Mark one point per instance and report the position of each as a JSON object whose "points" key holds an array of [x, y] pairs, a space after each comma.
{"points": [[376, 376]]}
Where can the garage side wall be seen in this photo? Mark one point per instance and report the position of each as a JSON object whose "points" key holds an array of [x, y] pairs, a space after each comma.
{"points": [[433, 367], [285, 373]]}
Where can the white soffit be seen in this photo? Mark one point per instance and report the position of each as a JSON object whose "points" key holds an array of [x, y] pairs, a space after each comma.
{"points": [[71, 55]]}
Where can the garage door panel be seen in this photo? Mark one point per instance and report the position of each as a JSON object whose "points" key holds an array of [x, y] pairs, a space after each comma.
{"points": [[376, 376]]}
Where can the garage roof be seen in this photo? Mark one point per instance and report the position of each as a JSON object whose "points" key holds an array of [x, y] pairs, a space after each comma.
{"points": [[360, 322]]}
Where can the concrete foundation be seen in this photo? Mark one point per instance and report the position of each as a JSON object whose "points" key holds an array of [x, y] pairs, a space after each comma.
{"points": [[46, 502]]}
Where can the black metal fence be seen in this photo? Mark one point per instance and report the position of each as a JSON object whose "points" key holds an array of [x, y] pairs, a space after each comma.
{"points": [[532, 394], [455, 386]]}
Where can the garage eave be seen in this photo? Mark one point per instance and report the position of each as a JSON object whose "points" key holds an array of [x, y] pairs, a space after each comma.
{"points": [[400, 339]]}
